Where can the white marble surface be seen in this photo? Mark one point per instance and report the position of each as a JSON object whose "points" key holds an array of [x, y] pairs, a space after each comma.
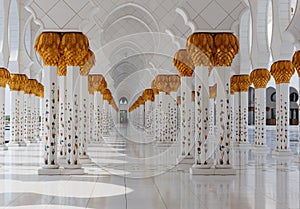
{"points": [[128, 174]]}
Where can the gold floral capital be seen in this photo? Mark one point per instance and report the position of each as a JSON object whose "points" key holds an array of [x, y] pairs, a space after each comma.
{"points": [[260, 77], [282, 71]]}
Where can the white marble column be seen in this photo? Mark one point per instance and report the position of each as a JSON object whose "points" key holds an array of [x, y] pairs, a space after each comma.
{"points": [[25, 116], [36, 132], [240, 85], [244, 118], [187, 142], [29, 120], [142, 116], [73, 98], [21, 118], [98, 112], [260, 117], [42, 114], [62, 79], [172, 120], [148, 121], [2, 119], [14, 118], [156, 117], [161, 117], [211, 118], [282, 119], [237, 115], [84, 116], [51, 119], [203, 151], [105, 121], [91, 117], [232, 118], [223, 117]]}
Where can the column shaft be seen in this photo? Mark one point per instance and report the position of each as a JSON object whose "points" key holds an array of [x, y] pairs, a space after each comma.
{"points": [[84, 115], [62, 115], [98, 106], [283, 121], [91, 117], [244, 118], [72, 117], [105, 119], [148, 117], [211, 118], [21, 118], [14, 118], [186, 116], [156, 117], [202, 145], [237, 116], [223, 117], [172, 120], [51, 119], [36, 118], [2, 119], [260, 117]]}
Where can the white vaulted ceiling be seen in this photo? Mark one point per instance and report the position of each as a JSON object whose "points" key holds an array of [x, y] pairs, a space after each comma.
{"points": [[135, 40]]}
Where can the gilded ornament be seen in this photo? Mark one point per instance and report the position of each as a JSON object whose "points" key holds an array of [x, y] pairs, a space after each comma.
{"points": [[243, 83], [184, 63], [174, 82], [282, 71], [226, 47], [200, 47], [296, 62], [47, 45], [87, 63], [62, 66], [260, 78], [4, 77], [74, 46]]}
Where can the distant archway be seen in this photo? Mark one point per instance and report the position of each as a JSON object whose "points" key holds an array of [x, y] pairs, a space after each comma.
{"points": [[123, 101]]}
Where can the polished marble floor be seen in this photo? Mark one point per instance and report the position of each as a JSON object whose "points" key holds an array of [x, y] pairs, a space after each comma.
{"points": [[131, 171]]}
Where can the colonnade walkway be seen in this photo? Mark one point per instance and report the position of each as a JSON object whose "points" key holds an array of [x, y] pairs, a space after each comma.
{"points": [[130, 170]]}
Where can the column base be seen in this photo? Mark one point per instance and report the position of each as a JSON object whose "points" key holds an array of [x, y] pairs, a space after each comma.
{"points": [[60, 171], [72, 171], [260, 149], [217, 170], [49, 171], [93, 144], [185, 160], [71, 167], [244, 145], [164, 144], [282, 154], [22, 144], [235, 144], [3, 147], [85, 159], [34, 141], [14, 144]]}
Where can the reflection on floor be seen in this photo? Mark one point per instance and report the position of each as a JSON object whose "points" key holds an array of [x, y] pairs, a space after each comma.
{"points": [[130, 170]]}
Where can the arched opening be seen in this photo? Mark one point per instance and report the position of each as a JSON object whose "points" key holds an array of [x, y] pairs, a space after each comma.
{"points": [[123, 110], [294, 106], [123, 101]]}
